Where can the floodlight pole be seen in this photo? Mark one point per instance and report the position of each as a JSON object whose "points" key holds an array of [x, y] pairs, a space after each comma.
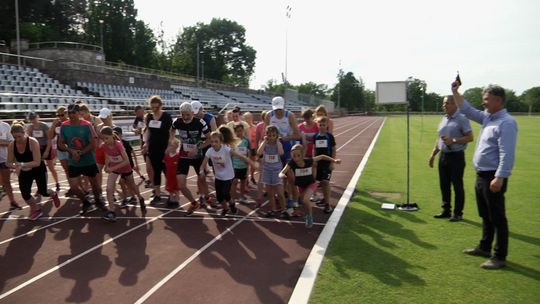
{"points": [[18, 32]]}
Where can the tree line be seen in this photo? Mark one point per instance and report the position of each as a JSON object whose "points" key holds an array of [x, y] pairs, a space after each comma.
{"points": [[217, 51]]}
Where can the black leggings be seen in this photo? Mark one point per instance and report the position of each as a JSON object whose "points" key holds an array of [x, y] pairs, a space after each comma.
{"points": [[156, 154], [223, 190], [26, 178]]}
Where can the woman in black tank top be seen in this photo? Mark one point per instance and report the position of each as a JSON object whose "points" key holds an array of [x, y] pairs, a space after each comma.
{"points": [[25, 157]]}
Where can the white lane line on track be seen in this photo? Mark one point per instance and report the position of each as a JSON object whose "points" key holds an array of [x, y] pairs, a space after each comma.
{"points": [[361, 132], [73, 259], [192, 257], [38, 277], [305, 283]]}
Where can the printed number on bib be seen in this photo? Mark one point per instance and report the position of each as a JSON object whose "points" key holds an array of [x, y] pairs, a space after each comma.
{"points": [[155, 124], [271, 158], [140, 125], [303, 172], [321, 143], [37, 133], [115, 159], [189, 147], [241, 151]]}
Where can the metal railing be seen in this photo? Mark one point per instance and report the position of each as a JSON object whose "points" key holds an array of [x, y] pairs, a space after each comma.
{"points": [[64, 45]]}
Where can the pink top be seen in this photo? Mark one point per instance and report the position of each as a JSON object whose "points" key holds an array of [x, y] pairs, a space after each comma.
{"points": [[307, 136], [114, 156], [259, 131]]}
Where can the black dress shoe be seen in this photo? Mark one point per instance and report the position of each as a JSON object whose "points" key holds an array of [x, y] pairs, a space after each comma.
{"points": [[456, 218], [442, 215]]}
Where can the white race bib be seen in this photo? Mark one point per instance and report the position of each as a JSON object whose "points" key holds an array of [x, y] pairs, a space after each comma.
{"points": [[271, 158], [189, 147], [241, 150], [155, 124], [57, 130], [140, 125], [321, 143], [115, 159], [303, 172], [37, 133]]}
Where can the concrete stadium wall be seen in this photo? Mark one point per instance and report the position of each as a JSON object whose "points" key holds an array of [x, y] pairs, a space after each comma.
{"points": [[64, 54]]}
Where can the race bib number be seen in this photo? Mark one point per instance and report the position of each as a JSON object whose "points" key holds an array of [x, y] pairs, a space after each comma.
{"points": [[241, 150], [271, 158], [37, 133], [303, 172], [321, 143], [189, 147], [57, 130], [115, 159], [309, 137], [155, 124], [140, 125]]}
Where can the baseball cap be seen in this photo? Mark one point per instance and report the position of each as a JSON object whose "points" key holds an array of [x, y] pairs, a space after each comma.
{"points": [[32, 115], [104, 113], [196, 106], [278, 103]]}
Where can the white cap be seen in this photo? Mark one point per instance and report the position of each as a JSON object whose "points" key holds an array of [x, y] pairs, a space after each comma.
{"points": [[104, 113], [196, 106], [278, 103]]}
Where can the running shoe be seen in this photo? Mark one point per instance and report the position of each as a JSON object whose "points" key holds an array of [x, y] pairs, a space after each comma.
{"points": [[133, 200], [155, 200], [194, 206], [124, 203], [243, 201], [35, 215], [295, 205], [57, 187], [224, 211], [309, 220], [69, 193], [233, 208], [148, 184], [143, 205], [173, 204], [55, 199], [285, 215], [328, 209], [271, 214], [202, 201], [321, 203], [14, 206], [85, 207], [100, 205], [110, 216]]}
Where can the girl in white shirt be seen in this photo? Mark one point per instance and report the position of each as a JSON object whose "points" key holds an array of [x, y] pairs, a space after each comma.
{"points": [[221, 155]]}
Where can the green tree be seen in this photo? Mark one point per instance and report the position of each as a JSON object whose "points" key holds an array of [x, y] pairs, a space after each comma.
{"points": [[416, 93], [349, 92], [221, 45], [531, 98], [474, 97], [144, 46], [311, 88]]}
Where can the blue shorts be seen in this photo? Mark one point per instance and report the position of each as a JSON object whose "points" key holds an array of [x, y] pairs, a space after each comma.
{"points": [[62, 155], [271, 177]]}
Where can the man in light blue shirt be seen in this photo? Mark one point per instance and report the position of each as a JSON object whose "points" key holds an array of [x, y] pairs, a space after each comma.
{"points": [[493, 160], [453, 135]]}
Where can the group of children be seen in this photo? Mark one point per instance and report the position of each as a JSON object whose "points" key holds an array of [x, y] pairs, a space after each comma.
{"points": [[234, 152]]}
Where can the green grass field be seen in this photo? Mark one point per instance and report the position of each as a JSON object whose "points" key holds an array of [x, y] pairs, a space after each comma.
{"points": [[379, 256]]}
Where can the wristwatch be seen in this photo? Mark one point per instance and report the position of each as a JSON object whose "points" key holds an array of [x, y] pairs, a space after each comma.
{"points": [[454, 140]]}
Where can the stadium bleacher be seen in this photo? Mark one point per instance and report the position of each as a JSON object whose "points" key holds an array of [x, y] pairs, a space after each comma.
{"points": [[27, 89], [24, 89]]}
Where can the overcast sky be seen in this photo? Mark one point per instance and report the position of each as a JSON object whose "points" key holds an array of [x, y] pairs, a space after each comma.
{"points": [[380, 40]]}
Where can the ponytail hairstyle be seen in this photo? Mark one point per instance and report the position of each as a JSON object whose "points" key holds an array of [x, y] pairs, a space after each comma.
{"points": [[228, 136], [17, 126], [106, 130]]}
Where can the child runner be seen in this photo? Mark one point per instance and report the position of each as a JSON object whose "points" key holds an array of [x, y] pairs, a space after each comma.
{"points": [[117, 164], [271, 151], [221, 155], [325, 144], [240, 166], [171, 159], [5, 173], [308, 128], [133, 162], [303, 170]]}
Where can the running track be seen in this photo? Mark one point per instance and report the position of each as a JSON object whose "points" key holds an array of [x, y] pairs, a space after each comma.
{"points": [[165, 257]]}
